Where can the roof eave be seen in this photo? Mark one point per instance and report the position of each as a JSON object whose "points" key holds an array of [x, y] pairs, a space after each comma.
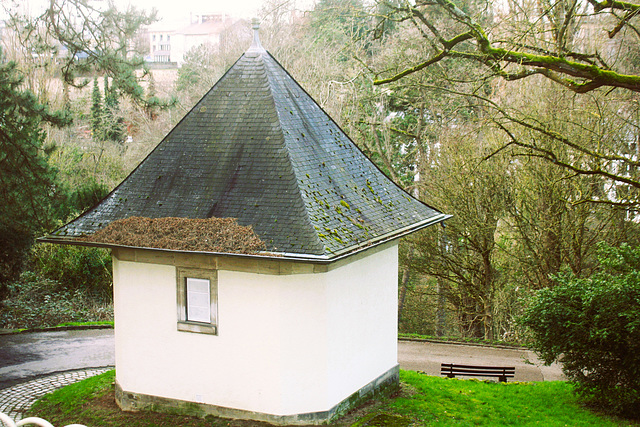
{"points": [[384, 238], [309, 258]]}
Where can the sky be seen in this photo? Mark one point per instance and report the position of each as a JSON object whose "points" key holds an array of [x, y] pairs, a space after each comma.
{"points": [[178, 11], [168, 9]]}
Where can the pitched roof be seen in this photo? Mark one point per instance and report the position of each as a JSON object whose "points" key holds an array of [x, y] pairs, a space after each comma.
{"points": [[258, 148]]}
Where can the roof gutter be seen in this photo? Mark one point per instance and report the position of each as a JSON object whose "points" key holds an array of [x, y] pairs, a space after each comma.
{"points": [[389, 236], [315, 259]]}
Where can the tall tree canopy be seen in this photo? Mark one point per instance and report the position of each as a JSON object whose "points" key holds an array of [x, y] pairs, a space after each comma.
{"points": [[546, 47], [27, 182], [588, 47]]}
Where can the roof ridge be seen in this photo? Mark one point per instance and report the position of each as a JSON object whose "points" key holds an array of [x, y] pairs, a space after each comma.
{"points": [[325, 154], [294, 170]]}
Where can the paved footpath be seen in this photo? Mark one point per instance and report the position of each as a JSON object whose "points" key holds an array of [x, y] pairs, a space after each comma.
{"points": [[35, 354], [427, 357], [15, 401]]}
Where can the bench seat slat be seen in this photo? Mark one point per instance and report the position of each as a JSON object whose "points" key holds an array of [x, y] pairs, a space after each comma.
{"points": [[482, 375], [470, 372], [478, 370], [501, 372], [455, 365]]}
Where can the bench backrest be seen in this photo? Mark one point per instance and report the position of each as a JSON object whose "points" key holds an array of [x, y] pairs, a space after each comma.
{"points": [[501, 372]]}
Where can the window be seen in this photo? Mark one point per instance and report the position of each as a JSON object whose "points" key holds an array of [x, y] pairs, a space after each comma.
{"points": [[197, 300], [153, 37]]}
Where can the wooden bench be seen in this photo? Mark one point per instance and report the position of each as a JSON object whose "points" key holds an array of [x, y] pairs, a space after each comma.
{"points": [[500, 372]]}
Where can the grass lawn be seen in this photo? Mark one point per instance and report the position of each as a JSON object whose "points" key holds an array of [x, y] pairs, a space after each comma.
{"points": [[103, 323], [423, 401]]}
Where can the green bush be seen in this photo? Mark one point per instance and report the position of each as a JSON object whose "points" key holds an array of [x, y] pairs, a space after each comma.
{"points": [[38, 302], [86, 195], [592, 325], [74, 267], [14, 248]]}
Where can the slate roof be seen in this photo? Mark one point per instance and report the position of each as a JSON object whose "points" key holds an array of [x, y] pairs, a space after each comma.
{"points": [[258, 148]]}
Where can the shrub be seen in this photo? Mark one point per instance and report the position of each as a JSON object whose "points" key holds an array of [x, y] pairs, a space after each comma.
{"points": [[74, 267], [38, 302], [592, 325], [14, 247], [87, 195]]}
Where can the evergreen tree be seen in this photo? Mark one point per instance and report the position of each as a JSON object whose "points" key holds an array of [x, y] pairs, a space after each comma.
{"points": [[106, 91], [113, 123], [28, 193], [107, 114], [96, 111], [152, 99]]}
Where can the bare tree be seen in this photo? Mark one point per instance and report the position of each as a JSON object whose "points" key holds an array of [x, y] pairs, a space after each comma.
{"points": [[504, 48]]}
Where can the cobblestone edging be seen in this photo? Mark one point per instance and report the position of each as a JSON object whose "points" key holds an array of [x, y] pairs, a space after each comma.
{"points": [[16, 401]]}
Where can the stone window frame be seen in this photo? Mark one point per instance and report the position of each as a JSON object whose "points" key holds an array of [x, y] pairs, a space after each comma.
{"points": [[183, 323]]}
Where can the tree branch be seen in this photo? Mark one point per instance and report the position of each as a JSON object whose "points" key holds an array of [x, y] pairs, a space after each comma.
{"points": [[447, 44], [563, 68], [612, 4], [548, 154]]}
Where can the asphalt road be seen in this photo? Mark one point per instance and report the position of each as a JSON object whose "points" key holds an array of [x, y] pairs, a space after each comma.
{"points": [[29, 355], [34, 354]]}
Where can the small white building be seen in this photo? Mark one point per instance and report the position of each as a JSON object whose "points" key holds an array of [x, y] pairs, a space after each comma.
{"points": [[295, 334], [160, 45]]}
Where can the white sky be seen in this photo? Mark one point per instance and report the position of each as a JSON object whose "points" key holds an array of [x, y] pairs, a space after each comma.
{"points": [[178, 11]]}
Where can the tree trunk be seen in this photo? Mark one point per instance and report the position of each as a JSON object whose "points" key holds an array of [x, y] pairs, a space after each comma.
{"points": [[406, 275], [441, 310]]}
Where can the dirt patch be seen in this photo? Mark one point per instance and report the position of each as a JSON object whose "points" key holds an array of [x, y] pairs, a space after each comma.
{"points": [[106, 412], [183, 234], [111, 415]]}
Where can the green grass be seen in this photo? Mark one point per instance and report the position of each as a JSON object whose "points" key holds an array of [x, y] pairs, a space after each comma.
{"points": [[70, 400], [423, 401], [438, 401], [67, 324], [91, 402]]}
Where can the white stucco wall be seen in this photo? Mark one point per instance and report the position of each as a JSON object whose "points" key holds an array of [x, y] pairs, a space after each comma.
{"points": [[287, 344]]}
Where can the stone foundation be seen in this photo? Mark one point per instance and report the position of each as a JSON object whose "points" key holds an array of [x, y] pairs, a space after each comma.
{"points": [[384, 385]]}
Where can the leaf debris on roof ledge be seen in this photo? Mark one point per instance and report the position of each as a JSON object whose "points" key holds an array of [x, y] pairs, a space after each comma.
{"points": [[182, 234]]}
